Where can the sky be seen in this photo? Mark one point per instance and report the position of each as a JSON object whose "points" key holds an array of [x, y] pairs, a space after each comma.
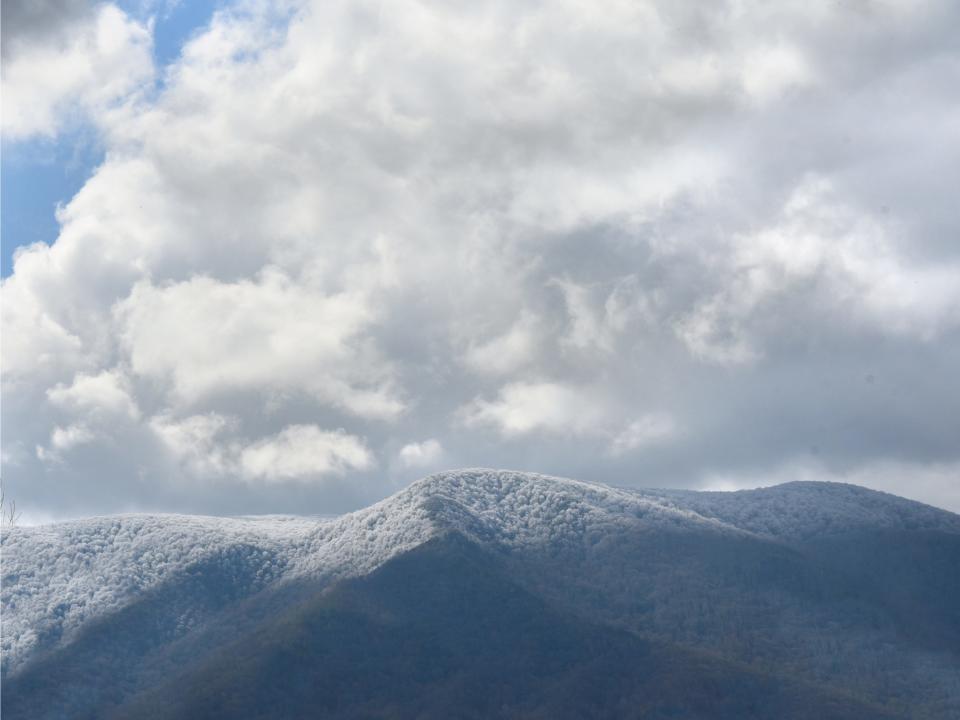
{"points": [[290, 256]]}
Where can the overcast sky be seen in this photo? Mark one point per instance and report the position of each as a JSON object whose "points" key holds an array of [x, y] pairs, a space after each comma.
{"points": [[288, 257]]}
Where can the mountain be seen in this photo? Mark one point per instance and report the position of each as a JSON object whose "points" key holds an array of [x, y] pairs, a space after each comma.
{"points": [[485, 593]]}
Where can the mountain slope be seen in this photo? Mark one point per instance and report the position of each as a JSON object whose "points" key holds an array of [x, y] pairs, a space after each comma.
{"points": [[835, 585], [57, 578], [482, 647]]}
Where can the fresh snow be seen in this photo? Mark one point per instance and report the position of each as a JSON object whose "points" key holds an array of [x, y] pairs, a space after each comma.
{"points": [[800, 510], [58, 577]]}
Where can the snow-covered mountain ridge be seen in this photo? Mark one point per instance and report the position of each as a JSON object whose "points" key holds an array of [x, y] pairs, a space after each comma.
{"points": [[57, 578], [799, 510]]}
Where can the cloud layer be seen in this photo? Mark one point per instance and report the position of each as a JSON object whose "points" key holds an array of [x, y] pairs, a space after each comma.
{"points": [[345, 243]]}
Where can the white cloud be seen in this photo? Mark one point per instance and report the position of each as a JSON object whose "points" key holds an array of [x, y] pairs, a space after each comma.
{"points": [[853, 259], [194, 442], [210, 448], [421, 454], [37, 348], [69, 437], [106, 393], [859, 255], [103, 59], [95, 407], [211, 337], [770, 71], [63, 440], [304, 452], [524, 407]]}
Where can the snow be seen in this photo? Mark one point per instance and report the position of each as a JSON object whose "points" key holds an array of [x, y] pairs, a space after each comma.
{"points": [[800, 510], [58, 577]]}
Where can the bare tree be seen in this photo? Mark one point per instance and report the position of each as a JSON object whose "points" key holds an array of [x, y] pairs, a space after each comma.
{"points": [[8, 510]]}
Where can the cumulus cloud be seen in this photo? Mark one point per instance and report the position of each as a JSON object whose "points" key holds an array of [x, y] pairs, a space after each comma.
{"points": [[853, 256], [93, 406], [652, 242], [106, 393], [421, 454], [304, 451], [65, 439], [207, 445], [523, 407], [63, 60], [206, 337], [195, 443]]}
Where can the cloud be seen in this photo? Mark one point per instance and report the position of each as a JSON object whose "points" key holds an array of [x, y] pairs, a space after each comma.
{"points": [[86, 63], [768, 72], [208, 447], [648, 243], [62, 439], [649, 430], [420, 454], [106, 393], [304, 451], [195, 443], [505, 353], [599, 314], [524, 407], [205, 337], [830, 253], [93, 405], [33, 21]]}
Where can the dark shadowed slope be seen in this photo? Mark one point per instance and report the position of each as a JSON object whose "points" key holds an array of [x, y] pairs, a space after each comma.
{"points": [[441, 632]]}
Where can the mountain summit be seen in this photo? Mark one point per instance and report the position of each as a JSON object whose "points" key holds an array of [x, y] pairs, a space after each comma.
{"points": [[804, 599]]}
